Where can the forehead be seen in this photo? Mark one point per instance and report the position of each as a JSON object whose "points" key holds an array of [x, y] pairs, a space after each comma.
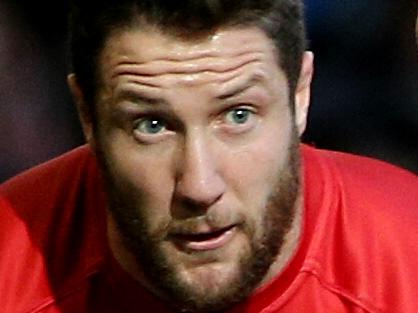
{"points": [[150, 41], [152, 52]]}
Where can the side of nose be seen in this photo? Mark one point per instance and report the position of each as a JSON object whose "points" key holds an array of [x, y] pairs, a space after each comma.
{"points": [[198, 181]]}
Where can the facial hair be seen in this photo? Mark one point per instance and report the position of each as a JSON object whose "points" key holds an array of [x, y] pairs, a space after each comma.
{"points": [[278, 216]]}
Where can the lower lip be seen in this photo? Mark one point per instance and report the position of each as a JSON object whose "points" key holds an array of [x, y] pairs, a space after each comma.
{"points": [[210, 244]]}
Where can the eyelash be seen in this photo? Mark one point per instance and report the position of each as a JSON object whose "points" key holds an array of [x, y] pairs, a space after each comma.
{"points": [[153, 117], [168, 125], [239, 108]]}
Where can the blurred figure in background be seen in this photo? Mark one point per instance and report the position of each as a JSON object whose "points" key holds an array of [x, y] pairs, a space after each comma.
{"points": [[37, 119], [365, 94]]}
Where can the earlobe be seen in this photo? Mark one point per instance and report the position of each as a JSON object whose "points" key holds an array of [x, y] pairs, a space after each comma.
{"points": [[84, 112], [303, 92]]}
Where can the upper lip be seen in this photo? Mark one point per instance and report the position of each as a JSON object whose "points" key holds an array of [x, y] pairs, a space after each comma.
{"points": [[202, 230]]}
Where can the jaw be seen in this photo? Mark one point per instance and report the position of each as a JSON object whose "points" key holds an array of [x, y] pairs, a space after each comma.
{"points": [[203, 277]]}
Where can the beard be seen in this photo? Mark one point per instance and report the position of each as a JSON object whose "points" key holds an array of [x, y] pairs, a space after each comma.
{"points": [[253, 263]]}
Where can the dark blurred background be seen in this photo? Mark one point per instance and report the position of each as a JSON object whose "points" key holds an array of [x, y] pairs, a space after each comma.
{"points": [[365, 91]]}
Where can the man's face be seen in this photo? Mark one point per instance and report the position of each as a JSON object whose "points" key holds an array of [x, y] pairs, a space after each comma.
{"points": [[199, 150]]}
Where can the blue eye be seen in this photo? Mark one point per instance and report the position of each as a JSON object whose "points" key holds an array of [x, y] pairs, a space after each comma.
{"points": [[151, 126], [238, 116]]}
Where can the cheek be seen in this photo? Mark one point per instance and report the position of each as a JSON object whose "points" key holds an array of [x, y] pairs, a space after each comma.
{"points": [[142, 178], [255, 173], [255, 168]]}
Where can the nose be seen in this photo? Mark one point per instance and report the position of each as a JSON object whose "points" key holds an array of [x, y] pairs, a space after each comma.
{"points": [[199, 183]]}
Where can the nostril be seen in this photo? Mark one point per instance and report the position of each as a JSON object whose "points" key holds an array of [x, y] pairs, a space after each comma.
{"points": [[194, 204], [184, 207]]}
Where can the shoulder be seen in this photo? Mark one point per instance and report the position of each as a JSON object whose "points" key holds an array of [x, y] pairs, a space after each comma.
{"points": [[368, 191], [48, 188], [368, 181], [368, 235], [55, 172], [46, 215]]}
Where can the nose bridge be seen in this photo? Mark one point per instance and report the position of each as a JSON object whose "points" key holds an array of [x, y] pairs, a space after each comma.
{"points": [[199, 179]]}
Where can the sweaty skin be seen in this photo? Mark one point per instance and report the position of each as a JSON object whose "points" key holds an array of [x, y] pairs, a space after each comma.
{"points": [[197, 142]]}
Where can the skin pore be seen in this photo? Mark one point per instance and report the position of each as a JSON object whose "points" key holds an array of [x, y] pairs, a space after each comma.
{"points": [[199, 150]]}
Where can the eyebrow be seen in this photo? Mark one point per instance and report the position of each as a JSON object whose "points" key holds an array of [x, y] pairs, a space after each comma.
{"points": [[239, 89], [139, 98]]}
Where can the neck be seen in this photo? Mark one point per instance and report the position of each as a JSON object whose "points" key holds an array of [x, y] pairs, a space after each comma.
{"points": [[290, 244]]}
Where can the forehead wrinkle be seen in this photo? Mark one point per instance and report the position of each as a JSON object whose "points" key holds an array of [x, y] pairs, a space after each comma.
{"points": [[206, 77], [239, 84], [158, 61], [211, 64], [137, 87]]}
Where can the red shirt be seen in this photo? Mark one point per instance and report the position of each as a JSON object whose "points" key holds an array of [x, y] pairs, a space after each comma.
{"points": [[358, 253]]}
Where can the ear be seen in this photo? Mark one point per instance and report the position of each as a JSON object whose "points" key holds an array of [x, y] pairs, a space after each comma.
{"points": [[84, 112], [303, 92]]}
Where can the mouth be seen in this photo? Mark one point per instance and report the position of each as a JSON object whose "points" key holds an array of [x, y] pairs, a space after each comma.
{"points": [[204, 241]]}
